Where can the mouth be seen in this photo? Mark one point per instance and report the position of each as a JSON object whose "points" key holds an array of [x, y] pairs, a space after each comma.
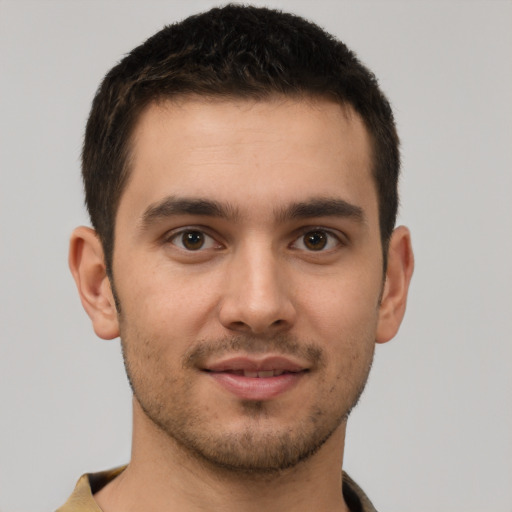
{"points": [[250, 378], [264, 374]]}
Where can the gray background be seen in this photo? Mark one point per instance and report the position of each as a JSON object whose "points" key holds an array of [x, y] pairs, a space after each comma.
{"points": [[434, 429]]}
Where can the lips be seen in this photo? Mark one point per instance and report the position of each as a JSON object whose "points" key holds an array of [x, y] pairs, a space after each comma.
{"points": [[260, 375], [261, 379], [254, 364]]}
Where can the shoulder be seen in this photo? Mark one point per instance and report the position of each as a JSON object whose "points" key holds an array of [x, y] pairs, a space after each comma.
{"points": [[82, 500], [355, 497]]}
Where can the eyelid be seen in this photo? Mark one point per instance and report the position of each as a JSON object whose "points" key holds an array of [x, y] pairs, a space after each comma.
{"points": [[340, 238], [170, 236]]}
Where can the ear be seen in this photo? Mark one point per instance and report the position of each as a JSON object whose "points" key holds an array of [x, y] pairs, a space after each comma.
{"points": [[87, 264], [398, 276]]}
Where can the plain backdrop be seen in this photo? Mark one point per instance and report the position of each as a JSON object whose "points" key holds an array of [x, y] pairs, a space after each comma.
{"points": [[434, 428]]}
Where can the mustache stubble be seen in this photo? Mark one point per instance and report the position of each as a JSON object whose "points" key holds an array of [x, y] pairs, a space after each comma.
{"points": [[283, 344]]}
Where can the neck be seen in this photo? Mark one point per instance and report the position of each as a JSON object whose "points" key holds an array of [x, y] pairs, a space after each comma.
{"points": [[164, 476]]}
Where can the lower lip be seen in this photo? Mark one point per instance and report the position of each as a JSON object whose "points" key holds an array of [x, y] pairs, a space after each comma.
{"points": [[256, 388]]}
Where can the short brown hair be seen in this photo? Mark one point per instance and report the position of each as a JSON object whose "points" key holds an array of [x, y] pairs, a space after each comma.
{"points": [[233, 51]]}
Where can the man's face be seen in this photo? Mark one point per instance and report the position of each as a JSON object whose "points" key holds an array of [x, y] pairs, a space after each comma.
{"points": [[248, 269]]}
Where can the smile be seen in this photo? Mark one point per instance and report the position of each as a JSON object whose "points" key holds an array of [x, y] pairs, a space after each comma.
{"points": [[265, 374], [256, 379]]}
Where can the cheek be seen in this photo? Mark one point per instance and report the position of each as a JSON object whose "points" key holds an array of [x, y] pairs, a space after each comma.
{"points": [[343, 317], [163, 299], [344, 305]]}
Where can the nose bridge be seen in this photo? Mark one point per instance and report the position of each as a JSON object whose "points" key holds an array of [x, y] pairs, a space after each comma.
{"points": [[256, 297]]}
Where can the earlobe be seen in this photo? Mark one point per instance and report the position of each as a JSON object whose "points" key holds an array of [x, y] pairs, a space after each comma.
{"points": [[398, 277], [87, 264]]}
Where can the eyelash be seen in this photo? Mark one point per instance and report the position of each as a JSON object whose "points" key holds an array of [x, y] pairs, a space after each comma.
{"points": [[330, 237], [176, 238]]}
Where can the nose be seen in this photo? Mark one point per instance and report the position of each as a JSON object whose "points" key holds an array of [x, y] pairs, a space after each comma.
{"points": [[257, 298]]}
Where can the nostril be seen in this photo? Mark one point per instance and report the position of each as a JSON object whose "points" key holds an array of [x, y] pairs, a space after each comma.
{"points": [[238, 326]]}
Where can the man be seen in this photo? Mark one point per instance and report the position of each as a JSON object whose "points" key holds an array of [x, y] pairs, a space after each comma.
{"points": [[241, 172]]}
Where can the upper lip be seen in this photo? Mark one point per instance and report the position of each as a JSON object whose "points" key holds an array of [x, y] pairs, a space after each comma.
{"points": [[249, 363]]}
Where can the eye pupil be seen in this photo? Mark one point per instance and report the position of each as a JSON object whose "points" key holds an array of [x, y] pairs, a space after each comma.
{"points": [[316, 240], [193, 240]]}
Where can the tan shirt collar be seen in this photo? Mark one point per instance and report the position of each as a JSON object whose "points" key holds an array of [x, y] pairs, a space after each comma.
{"points": [[82, 498]]}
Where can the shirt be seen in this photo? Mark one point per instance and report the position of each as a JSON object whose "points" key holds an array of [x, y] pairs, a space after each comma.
{"points": [[82, 498]]}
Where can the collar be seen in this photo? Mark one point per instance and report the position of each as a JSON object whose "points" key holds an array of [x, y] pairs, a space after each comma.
{"points": [[82, 498]]}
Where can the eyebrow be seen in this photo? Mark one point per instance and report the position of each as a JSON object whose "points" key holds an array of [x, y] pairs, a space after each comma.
{"points": [[322, 207], [172, 205], [316, 207]]}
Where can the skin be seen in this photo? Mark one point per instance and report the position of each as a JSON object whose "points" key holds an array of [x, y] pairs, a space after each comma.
{"points": [[269, 280]]}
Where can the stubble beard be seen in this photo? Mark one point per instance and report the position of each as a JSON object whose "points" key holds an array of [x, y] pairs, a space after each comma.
{"points": [[258, 447]]}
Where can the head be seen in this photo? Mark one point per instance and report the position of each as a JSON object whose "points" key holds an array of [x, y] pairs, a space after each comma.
{"points": [[231, 52], [241, 174]]}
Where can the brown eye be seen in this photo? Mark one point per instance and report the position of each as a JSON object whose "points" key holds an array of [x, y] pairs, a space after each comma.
{"points": [[315, 240], [192, 240]]}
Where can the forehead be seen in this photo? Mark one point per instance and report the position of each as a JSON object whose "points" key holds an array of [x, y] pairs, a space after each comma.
{"points": [[248, 152]]}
